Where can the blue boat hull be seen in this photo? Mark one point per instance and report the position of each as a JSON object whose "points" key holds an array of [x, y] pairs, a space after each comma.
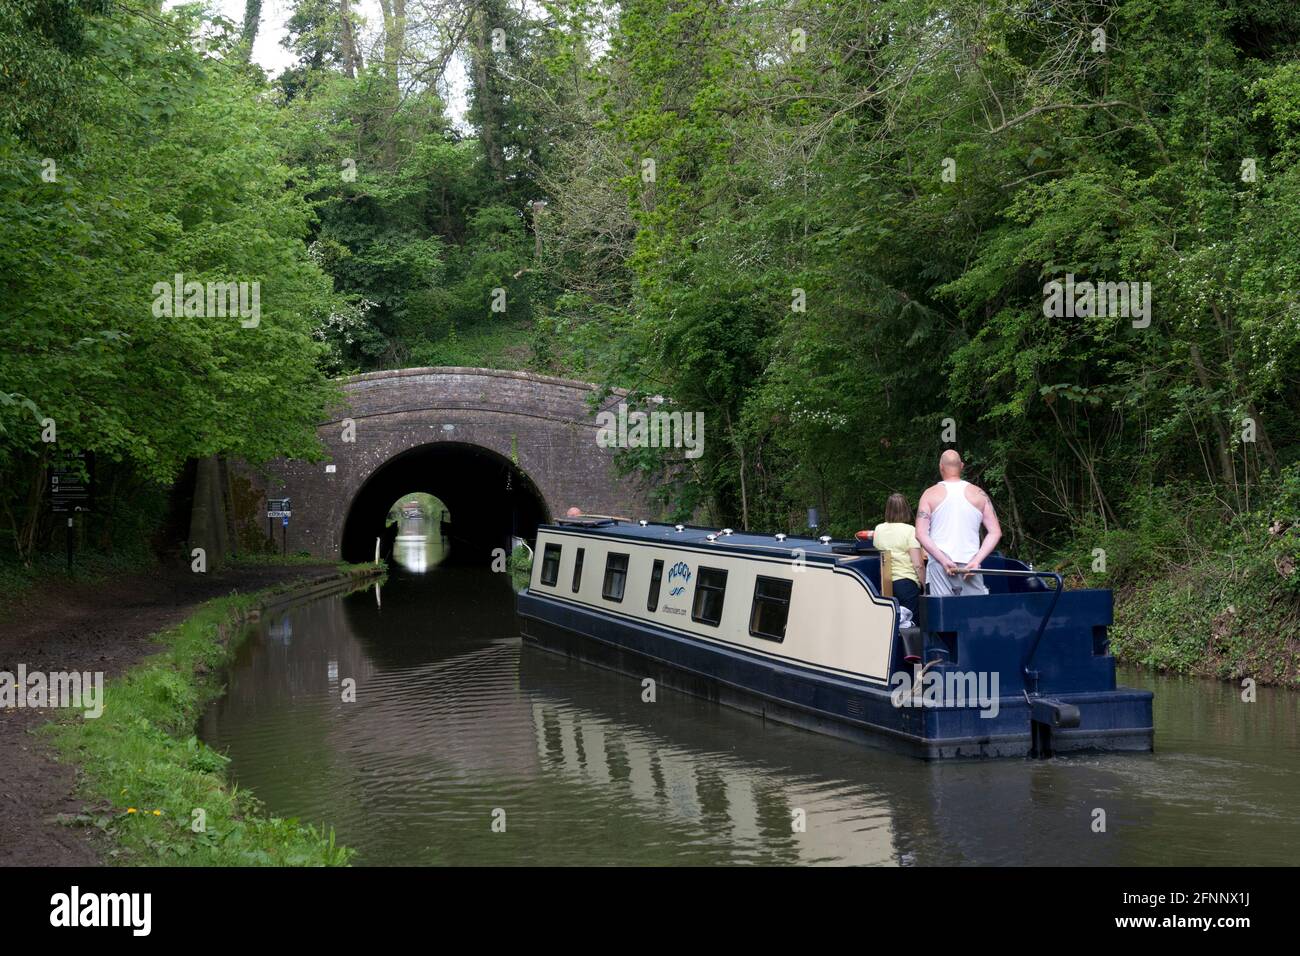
{"points": [[1117, 719]]}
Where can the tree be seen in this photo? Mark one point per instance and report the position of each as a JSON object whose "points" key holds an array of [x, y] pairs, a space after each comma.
{"points": [[248, 36], [171, 178]]}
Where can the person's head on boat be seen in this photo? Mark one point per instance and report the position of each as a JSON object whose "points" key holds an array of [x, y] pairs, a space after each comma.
{"points": [[950, 465], [573, 513], [900, 553], [897, 510]]}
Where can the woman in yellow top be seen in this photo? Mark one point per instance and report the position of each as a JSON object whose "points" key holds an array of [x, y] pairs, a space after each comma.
{"points": [[897, 535]]}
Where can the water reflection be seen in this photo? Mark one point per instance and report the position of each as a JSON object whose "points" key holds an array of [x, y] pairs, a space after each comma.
{"points": [[418, 552], [455, 718]]}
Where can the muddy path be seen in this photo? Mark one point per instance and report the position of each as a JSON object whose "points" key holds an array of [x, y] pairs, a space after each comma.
{"points": [[107, 625]]}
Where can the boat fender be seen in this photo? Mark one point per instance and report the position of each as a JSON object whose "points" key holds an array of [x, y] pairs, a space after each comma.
{"points": [[1053, 713], [913, 643]]}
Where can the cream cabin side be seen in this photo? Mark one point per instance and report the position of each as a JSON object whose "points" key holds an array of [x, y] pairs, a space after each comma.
{"points": [[811, 613]]}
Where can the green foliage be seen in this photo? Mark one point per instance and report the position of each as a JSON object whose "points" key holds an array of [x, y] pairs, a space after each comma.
{"points": [[43, 81], [521, 566], [1197, 594], [846, 243], [430, 508], [829, 226], [411, 224], [171, 174]]}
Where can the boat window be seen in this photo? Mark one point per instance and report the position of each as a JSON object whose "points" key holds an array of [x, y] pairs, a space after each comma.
{"points": [[771, 608], [656, 581], [615, 577], [551, 565], [710, 589], [577, 569]]}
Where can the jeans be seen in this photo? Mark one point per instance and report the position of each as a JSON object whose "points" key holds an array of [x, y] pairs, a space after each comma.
{"points": [[908, 594]]}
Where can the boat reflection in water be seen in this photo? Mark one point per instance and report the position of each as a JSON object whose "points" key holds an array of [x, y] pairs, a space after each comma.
{"points": [[454, 719], [672, 768]]}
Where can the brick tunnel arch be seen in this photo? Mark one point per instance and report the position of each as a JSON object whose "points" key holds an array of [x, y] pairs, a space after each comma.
{"points": [[490, 500], [543, 427]]}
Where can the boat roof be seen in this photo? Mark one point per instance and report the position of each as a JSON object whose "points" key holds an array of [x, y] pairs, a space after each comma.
{"points": [[661, 533]]}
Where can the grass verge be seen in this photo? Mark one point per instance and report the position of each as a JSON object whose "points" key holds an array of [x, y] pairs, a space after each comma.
{"points": [[158, 793], [1227, 614]]}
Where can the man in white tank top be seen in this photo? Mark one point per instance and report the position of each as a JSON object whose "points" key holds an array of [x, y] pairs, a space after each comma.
{"points": [[948, 521]]}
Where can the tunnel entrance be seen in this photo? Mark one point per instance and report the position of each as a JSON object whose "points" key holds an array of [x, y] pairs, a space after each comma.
{"points": [[488, 499]]}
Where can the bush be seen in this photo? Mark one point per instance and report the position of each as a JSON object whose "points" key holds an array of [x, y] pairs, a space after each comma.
{"points": [[1226, 602], [521, 566]]}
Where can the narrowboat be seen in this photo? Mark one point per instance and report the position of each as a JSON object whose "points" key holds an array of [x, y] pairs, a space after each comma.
{"points": [[800, 630]]}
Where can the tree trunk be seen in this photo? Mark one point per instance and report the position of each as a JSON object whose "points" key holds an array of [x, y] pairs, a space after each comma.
{"points": [[228, 505], [252, 16], [1103, 506], [1266, 451], [1016, 527], [485, 97], [1229, 474], [32, 513], [394, 13], [207, 515], [346, 40]]}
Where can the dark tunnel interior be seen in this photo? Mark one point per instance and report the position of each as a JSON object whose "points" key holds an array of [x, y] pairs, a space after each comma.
{"points": [[488, 497]]}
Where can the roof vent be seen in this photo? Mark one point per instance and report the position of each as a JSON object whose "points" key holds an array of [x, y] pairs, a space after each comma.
{"points": [[780, 537], [643, 522], [727, 531], [712, 537], [680, 527], [825, 539]]}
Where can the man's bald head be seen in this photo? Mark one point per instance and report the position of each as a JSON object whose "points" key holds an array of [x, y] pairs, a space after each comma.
{"points": [[950, 464]]}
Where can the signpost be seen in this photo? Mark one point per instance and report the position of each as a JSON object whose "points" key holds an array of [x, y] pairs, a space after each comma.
{"points": [[280, 508], [71, 481]]}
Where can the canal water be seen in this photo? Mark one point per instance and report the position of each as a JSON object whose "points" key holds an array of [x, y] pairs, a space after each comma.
{"points": [[465, 746]]}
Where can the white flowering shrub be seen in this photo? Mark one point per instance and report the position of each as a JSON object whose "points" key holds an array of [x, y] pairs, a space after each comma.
{"points": [[349, 335]]}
